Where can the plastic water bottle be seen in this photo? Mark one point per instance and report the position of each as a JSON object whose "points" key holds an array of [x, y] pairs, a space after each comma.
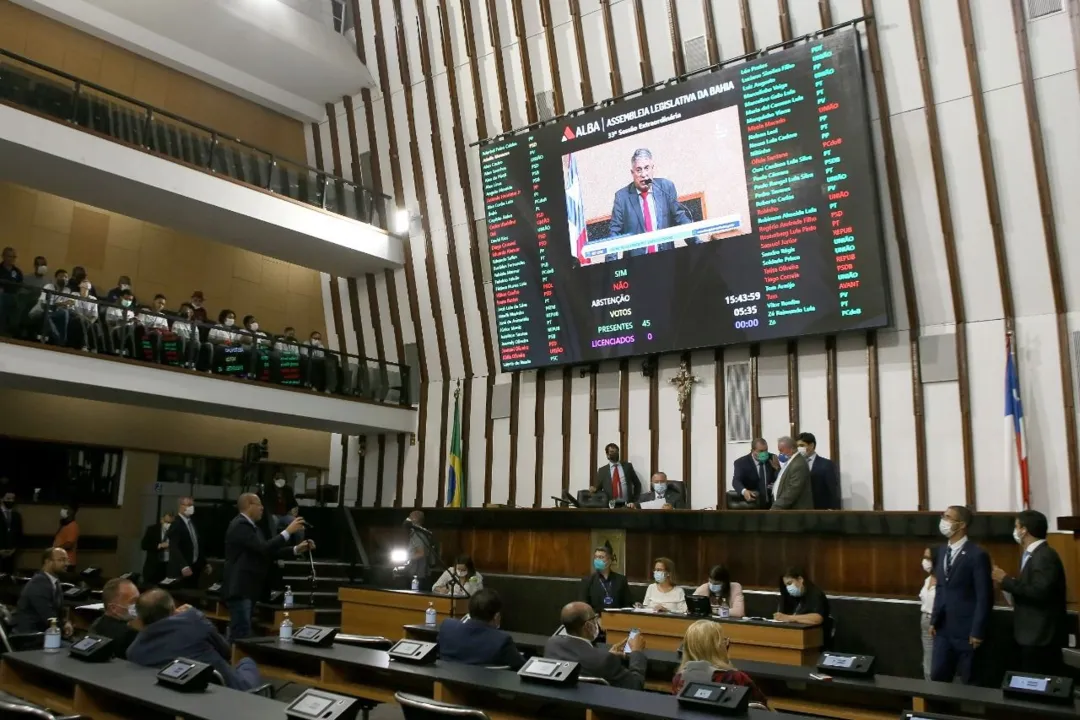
{"points": [[52, 636], [285, 631], [725, 611], [288, 597], [429, 615], [415, 583]]}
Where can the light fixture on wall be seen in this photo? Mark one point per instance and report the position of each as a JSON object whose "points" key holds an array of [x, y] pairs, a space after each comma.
{"points": [[401, 221]]}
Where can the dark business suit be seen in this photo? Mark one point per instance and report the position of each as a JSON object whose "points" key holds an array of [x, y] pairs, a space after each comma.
{"points": [[247, 559], [825, 483], [962, 605], [627, 217], [793, 491], [599, 663], [182, 553], [11, 532], [190, 635], [154, 565], [630, 481], [477, 643], [1039, 610], [40, 600], [745, 476], [673, 496]]}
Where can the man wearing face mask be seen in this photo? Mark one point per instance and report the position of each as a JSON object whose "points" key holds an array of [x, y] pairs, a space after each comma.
{"points": [[11, 532], [792, 490], [754, 474], [670, 493], [963, 599], [582, 625], [617, 479], [186, 561], [155, 543], [40, 277], [121, 324], [1038, 597], [824, 475], [605, 588], [119, 596]]}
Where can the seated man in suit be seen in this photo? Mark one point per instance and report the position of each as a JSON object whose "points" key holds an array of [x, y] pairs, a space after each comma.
{"points": [[582, 626], [753, 475], [648, 203], [118, 596], [43, 599], [824, 477], [671, 493], [618, 480], [170, 632], [478, 640], [792, 490]]}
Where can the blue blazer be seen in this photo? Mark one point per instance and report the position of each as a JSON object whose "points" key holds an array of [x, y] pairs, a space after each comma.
{"points": [[188, 634], [825, 483], [627, 218], [963, 602], [477, 643]]}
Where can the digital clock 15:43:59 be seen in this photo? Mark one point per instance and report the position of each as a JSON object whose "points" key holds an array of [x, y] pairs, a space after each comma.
{"points": [[742, 297]]}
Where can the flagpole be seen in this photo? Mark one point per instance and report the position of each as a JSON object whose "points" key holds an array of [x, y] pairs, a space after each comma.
{"points": [[1020, 438]]}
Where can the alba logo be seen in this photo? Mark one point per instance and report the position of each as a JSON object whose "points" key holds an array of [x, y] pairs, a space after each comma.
{"points": [[586, 129], [568, 133]]}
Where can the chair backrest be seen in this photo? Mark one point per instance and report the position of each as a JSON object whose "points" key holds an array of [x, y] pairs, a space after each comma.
{"points": [[216, 678], [593, 680], [13, 709], [758, 706], [414, 707], [371, 642], [496, 667]]}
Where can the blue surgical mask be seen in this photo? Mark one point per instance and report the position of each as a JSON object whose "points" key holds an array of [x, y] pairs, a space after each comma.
{"points": [[660, 488], [794, 590], [599, 564], [659, 576], [715, 588], [783, 457]]}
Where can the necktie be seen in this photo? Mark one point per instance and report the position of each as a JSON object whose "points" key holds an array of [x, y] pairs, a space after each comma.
{"points": [[948, 560], [648, 216], [616, 483], [194, 541], [763, 486], [1024, 559]]}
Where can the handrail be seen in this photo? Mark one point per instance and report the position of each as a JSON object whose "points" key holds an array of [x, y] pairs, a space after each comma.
{"points": [[79, 82]]}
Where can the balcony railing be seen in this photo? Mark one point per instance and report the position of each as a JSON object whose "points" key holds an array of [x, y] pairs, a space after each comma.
{"points": [[64, 319], [40, 89]]}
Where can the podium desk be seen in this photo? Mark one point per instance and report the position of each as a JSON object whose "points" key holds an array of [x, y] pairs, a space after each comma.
{"points": [[760, 640], [373, 611]]}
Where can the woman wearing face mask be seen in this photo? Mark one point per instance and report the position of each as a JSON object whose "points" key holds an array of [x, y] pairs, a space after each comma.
{"points": [[259, 343], [801, 601], [664, 595], [719, 589], [186, 329], [705, 660], [228, 357], [67, 535], [926, 600], [91, 337], [466, 574]]}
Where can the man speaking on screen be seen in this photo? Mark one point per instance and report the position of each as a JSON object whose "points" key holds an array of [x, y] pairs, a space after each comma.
{"points": [[648, 203]]}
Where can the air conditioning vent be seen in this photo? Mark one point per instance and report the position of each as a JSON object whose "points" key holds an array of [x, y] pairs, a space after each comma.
{"points": [[737, 391], [696, 53], [1037, 9], [545, 104]]}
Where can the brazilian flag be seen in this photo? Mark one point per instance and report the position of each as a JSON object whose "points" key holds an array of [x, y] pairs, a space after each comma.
{"points": [[455, 481]]}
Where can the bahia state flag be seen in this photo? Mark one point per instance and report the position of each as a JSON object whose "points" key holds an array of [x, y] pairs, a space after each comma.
{"points": [[455, 480], [1016, 455], [575, 211]]}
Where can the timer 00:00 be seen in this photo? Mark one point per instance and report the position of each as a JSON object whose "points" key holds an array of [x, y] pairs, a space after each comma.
{"points": [[743, 324]]}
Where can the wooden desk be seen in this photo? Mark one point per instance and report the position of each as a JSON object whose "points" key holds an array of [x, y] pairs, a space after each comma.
{"points": [[119, 690], [783, 643], [371, 611]]}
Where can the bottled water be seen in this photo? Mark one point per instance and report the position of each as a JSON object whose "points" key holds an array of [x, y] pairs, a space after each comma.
{"points": [[429, 615], [52, 636], [415, 583], [285, 632], [288, 597], [725, 611]]}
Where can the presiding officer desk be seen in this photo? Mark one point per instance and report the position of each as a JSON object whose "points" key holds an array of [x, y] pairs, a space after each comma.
{"points": [[120, 690], [791, 689], [500, 693]]}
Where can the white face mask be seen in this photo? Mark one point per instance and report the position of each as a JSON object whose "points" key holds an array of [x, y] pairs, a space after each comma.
{"points": [[63, 514], [42, 269], [131, 611], [316, 343], [280, 482], [947, 528], [254, 326], [927, 566], [802, 450], [125, 303], [595, 632], [229, 322], [189, 511], [1018, 537], [659, 576], [165, 526], [462, 573]]}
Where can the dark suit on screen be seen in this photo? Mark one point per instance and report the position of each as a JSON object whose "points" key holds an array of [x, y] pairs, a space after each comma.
{"points": [[825, 483], [599, 663], [477, 643], [627, 217], [747, 476], [792, 489], [1039, 619], [41, 599], [630, 481], [962, 605]]}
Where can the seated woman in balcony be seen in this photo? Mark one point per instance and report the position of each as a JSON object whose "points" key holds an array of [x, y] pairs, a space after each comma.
{"points": [[259, 343], [192, 349], [51, 316], [228, 355], [90, 336], [120, 322]]}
